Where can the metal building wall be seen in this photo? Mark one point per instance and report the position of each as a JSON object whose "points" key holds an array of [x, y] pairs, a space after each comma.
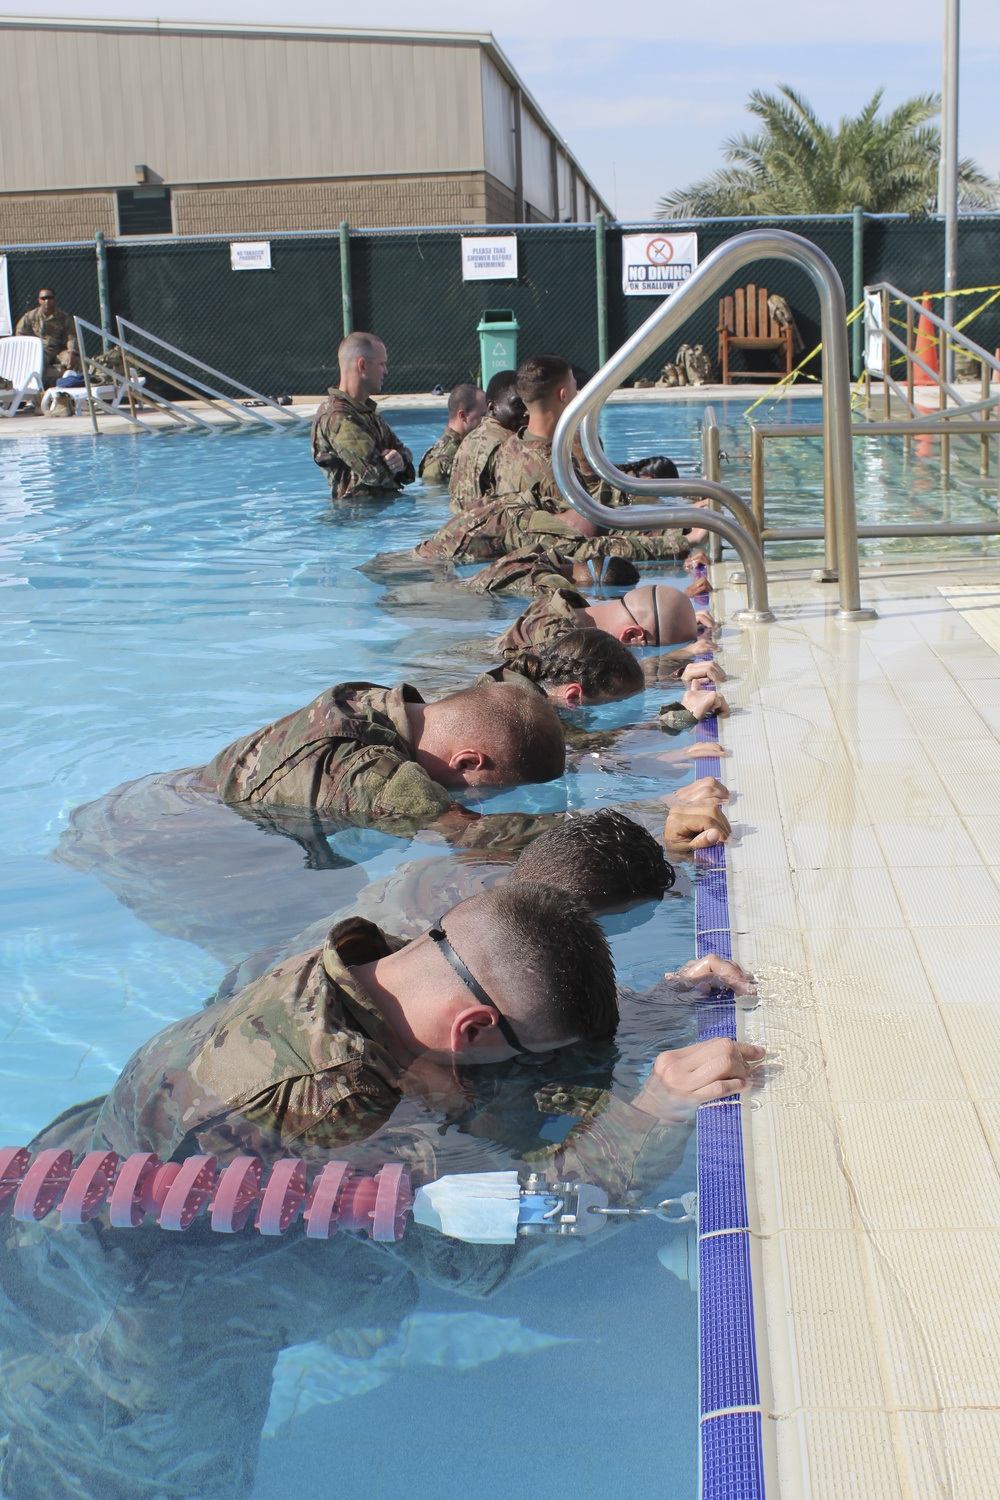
{"points": [[79, 108]]}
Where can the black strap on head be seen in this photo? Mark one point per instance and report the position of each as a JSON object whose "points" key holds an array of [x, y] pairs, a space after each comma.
{"points": [[656, 619], [472, 984]]}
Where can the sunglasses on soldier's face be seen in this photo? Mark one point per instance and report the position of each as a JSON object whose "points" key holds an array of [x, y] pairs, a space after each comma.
{"points": [[472, 984]]}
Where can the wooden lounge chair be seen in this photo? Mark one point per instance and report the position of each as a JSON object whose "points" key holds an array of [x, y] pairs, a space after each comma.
{"points": [[745, 323]]}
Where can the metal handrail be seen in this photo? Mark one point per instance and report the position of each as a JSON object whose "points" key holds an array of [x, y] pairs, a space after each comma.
{"points": [[583, 412], [288, 418], [950, 333]]}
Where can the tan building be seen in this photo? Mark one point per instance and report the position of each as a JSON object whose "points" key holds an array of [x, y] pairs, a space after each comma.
{"points": [[142, 128]]}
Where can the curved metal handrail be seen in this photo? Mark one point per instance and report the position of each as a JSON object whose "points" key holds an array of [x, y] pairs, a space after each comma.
{"points": [[583, 412]]}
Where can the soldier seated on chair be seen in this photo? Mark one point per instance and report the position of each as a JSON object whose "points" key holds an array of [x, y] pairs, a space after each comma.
{"points": [[55, 328], [466, 410]]}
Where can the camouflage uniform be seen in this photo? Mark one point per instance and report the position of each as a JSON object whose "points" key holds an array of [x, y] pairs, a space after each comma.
{"points": [[512, 522], [57, 332], [185, 850], [473, 471], [524, 467], [436, 465], [527, 572], [348, 440], [547, 620]]}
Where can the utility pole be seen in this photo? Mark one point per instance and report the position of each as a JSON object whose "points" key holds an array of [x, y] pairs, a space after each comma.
{"points": [[948, 170]]}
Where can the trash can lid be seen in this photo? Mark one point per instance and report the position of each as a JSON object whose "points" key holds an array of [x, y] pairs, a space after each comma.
{"points": [[498, 317]]}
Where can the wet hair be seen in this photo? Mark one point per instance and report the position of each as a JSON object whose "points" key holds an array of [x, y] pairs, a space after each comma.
{"points": [[658, 467], [540, 376], [521, 731], [619, 571], [602, 857], [358, 345], [602, 665], [503, 402], [463, 398], [542, 957]]}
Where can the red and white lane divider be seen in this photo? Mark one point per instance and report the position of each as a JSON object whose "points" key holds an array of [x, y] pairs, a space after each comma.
{"points": [[142, 1189]]}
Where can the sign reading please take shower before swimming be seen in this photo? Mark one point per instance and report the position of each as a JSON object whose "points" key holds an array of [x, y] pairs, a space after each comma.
{"points": [[490, 257], [655, 265]]}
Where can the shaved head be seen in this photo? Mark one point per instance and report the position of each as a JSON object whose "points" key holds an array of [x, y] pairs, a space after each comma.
{"points": [[519, 729], [359, 346], [664, 613]]}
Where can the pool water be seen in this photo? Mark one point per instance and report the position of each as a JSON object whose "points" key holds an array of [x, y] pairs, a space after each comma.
{"points": [[162, 596]]}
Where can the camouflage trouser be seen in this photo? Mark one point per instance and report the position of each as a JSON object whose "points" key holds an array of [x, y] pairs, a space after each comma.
{"points": [[504, 526], [527, 572]]}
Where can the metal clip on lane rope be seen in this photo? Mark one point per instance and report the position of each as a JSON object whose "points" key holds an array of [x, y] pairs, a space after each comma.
{"points": [[580, 1208]]}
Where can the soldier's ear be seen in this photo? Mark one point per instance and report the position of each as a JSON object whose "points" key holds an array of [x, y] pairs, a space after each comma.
{"points": [[632, 635], [467, 760]]}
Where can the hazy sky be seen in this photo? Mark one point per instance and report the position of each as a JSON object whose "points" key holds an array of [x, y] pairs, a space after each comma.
{"points": [[645, 94]]}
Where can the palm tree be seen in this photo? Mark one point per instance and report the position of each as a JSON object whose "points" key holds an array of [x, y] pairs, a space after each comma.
{"points": [[798, 165]]}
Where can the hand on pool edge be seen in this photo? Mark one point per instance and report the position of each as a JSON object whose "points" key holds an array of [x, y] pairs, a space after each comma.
{"points": [[685, 1077], [689, 828], [714, 973]]}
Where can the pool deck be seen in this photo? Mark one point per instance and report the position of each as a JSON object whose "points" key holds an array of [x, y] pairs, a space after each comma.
{"points": [[865, 889]]}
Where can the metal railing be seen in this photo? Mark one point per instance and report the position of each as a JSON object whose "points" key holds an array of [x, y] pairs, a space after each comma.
{"points": [[879, 336], [840, 517], [959, 425], [98, 369]]}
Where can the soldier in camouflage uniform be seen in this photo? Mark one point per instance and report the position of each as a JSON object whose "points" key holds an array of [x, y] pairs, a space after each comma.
{"points": [[172, 848], [466, 410], [57, 332], [653, 615], [361, 455], [472, 475]]}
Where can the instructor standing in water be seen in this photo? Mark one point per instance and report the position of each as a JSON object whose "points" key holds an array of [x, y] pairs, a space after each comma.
{"points": [[362, 456]]}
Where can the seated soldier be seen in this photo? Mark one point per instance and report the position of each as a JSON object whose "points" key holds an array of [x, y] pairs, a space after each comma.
{"points": [[172, 848], [466, 410], [472, 474], [57, 332], [362, 456]]}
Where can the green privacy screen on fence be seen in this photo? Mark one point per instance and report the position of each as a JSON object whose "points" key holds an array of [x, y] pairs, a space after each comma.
{"points": [[277, 330]]}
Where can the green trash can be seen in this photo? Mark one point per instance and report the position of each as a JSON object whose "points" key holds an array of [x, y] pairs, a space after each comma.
{"points": [[497, 342]]}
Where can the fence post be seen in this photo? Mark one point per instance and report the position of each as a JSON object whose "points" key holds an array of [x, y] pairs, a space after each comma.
{"points": [[602, 290], [102, 282], [345, 277], [857, 287]]}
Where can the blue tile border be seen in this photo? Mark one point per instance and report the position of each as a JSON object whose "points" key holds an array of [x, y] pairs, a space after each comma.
{"points": [[732, 1451]]}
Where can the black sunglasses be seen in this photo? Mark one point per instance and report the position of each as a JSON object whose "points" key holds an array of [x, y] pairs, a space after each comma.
{"points": [[656, 619], [472, 984]]}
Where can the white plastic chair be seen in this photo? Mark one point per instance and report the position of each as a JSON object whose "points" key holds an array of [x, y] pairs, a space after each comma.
{"points": [[22, 360]]}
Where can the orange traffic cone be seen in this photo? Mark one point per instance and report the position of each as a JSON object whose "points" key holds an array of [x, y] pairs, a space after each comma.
{"points": [[927, 346]]}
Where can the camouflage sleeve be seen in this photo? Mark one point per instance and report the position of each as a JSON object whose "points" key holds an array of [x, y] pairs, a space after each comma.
{"points": [[24, 328], [374, 783], [622, 1149], [409, 473], [352, 445]]}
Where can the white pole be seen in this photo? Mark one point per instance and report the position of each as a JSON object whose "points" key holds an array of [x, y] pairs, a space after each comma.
{"points": [[948, 176]]}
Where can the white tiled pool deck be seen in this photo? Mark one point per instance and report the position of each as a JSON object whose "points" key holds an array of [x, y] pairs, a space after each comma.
{"points": [[865, 890]]}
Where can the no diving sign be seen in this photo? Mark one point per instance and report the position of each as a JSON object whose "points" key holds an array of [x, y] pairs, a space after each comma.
{"points": [[655, 265]]}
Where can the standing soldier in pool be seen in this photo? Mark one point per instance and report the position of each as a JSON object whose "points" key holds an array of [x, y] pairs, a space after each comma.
{"points": [[55, 328], [473, 471], [362, 456], [466, 410]]}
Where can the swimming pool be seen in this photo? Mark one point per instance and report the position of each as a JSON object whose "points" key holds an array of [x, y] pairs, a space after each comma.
{"points": [[162, 596]]}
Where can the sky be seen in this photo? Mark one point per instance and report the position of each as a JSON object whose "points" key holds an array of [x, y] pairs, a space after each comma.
{"points": [[646, 95]]}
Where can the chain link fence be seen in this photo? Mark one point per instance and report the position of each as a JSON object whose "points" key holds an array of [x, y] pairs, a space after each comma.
{"points": [[278, 330]]}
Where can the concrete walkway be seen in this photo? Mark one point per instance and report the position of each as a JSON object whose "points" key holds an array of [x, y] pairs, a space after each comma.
{"points": [[866, 891]]}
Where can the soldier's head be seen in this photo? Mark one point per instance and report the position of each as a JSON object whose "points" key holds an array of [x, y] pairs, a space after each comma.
{"points": [[518, 969], [545, 382], [466, 408], [503, 403], [363, 364], [492, 735], [582, 667], [652, 615], [658, 467], [603, 858], [47, 299]]}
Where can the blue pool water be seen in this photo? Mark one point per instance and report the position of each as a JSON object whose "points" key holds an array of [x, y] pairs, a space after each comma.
{"points": [[162, 596]]}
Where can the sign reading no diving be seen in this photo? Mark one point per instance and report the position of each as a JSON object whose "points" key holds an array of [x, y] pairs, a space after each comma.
{"points": [[655, 265]]}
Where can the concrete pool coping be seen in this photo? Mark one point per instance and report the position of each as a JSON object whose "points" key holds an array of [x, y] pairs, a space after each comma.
{"points": [[865, 891]]}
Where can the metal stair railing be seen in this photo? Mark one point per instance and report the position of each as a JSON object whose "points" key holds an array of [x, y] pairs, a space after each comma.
{"points": [[947, 337], [232, 411], [840, 516]]}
